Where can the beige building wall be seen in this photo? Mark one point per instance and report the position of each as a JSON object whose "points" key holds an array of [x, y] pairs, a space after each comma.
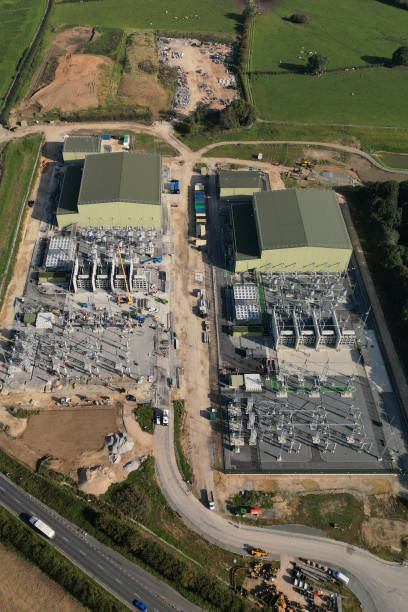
{"points": [[118, 214], [232, 192], [302, 259]]}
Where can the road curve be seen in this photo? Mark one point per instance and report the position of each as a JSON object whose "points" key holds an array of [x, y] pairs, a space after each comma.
{"points": [[381, 586], [124, 579], [328, 145]]}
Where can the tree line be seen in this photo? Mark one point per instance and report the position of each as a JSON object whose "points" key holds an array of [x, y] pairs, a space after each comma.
{"points": [[383, 215]]}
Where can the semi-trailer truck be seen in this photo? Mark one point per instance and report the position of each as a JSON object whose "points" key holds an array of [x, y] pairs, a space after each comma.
{"points": [[41, 527]]}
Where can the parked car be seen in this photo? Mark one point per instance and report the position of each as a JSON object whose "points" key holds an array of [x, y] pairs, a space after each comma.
{"points": [[130, 398]]}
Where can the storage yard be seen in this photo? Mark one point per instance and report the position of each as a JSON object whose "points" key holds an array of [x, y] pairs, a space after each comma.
{"points": [[204, 72]]}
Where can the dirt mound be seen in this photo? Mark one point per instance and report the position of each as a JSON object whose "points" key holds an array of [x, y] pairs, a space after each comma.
{"points": [[73, 39], [76, 85], [384, 533]]}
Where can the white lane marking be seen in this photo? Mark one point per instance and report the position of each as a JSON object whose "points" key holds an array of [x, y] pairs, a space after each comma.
{"points": [[17, 500], [2, 489], [117, 580], [100, 566], [82, 553], [64, 538]]}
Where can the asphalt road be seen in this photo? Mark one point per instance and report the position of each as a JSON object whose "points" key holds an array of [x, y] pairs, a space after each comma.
{"points": [[121, 577], [381, 586]]}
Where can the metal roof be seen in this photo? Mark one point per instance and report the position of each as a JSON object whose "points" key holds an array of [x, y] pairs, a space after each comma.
{"points": [[299, 217], [121, 177], [70, 189], [231, 179], [82, 144], [244, 230]]}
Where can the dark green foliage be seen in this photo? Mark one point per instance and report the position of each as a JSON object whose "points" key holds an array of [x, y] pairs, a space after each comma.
{"points": [[106, 44], [18, 537], [400, 56], [298, 18], [237, 114], [147, 66], [182, 461], [49, 71], [316, 63], [20, 413], [383, 215], [254, 499], [144, 414]]}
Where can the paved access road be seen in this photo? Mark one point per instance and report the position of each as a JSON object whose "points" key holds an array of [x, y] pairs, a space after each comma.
{"points": [[121, 577], [381, 586]]}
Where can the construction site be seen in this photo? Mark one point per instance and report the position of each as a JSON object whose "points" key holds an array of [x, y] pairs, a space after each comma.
{"points": [[304, 384]]}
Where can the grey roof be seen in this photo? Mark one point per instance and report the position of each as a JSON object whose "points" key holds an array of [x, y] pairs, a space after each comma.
{"points": [[300, 217], [231, 179], [82, 144], [70, 189], [121, 177], [244, 230]]}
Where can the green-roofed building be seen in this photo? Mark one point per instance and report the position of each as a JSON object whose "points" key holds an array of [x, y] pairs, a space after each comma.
{"points": [[233, 185], [290, 229], [115, 189], [75, 148]]}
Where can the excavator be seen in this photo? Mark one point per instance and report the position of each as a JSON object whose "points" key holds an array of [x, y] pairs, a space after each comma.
{"points": [[129, 298]]}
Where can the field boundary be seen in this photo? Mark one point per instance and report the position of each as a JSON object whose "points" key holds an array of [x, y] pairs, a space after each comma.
{"points": [[21, 215], [26, 56]]}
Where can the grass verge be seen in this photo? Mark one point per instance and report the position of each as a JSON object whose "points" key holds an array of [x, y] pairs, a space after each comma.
{"points": [[182, 461], [366, 138], [21, 539], [286, 155], [123, 535], [17, 170], [144, 415]]}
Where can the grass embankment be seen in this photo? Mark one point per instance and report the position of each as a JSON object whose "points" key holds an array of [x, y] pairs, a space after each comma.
{"points": [[286, 155], [182, 461], [17, 165], [342, 516], [365, 138], [144, 415], [182, 15], [393, 160], [21, 539], [19, 21], [100, 520]]}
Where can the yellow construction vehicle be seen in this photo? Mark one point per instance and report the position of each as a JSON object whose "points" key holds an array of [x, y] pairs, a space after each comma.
{"points": [[129, 299], [258, 552]]}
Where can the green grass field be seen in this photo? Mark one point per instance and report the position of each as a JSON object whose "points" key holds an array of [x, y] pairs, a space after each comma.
{"points": [[368, 139], [284, 154], [366, 97], [16, 165], [349, 33], [208, 16], [18, 23]]}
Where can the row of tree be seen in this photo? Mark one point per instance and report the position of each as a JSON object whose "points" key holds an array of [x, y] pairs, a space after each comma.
{"points": [[384, 216], [181, 574], [17, 536]]}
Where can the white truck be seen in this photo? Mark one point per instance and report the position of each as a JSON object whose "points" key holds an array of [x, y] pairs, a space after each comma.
{"points": [[41, 527], [165, 417], [340, 577], [211, 503]]}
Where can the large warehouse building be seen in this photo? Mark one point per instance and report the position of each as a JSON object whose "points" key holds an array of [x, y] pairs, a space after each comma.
{"points": [[112, 189], [288, 230]]}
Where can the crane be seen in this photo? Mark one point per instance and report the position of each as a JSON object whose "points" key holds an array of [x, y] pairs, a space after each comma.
{"points": [[129, 297]]}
